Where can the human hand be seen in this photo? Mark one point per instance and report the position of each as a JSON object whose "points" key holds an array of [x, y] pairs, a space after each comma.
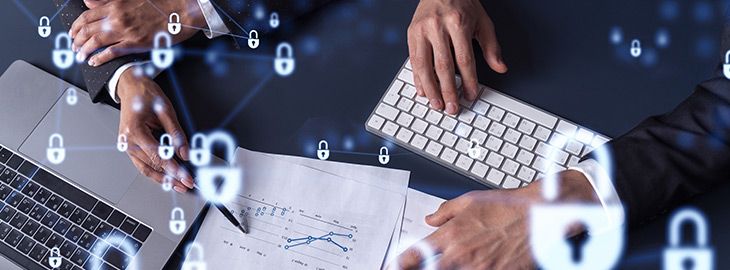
{"points": [[129, 26], [439, 25], [139, 125], [489, 229]]}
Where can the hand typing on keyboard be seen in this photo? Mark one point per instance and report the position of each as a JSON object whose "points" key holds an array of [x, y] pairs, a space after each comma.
{"points": [[439, 25], [489, 229], [139, 126]]}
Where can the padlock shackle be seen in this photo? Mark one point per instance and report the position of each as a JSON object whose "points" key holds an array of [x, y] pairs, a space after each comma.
{"points": [[727, 57], [383, 149], [196, 246], [274, 16], [282, 46], [122, 138], [227, 140], [162, 140], [635, 43], [176, 210], [169, 19], [688, 215], [55, 136], [250, 34], [323, 142], [63, 35], [198, 137], [163, 35], [44, 18]]}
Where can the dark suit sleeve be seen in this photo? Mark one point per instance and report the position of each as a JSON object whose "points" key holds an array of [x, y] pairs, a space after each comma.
{"points": [[669, 158], [237, 17], [96, 78]]}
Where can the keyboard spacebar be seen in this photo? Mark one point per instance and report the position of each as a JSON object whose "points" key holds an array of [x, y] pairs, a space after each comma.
{"points": [[519, 108]]}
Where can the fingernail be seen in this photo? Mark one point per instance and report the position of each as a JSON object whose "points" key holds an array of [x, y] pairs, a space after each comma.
{"points": [[92, 62], [451, 108], [184, 153], [179, 189], [80, 57], [74, 48], [435, 104]]}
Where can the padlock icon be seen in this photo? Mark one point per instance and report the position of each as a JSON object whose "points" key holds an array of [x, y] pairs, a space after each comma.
{"points": [[54, 258], [167, 183], [635, 48], [726, 66], [253, 39], [63, 58], [383, 155], [55, 152], [194, 262], [71, 97], [44, 27], [474, 150], [173, 25], [284, 62], [165, 149], [122, 144], [701, 256], [550, 221], [220, 183], [177, 221], [199, 155], [162, 57], [274, 20], [323, 150]]}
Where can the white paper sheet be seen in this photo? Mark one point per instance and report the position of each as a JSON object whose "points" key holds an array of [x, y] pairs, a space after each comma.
{"points": [[306, 216]]}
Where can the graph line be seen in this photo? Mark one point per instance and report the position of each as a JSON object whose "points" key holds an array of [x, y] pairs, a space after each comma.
{"points": [[311, 239]]}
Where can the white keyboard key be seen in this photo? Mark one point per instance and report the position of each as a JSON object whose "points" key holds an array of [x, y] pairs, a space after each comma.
{"points": [[527, 127], [462, 146], [448, 139], [512, 136], [526, 174], [408, 91], [574, 147], [405, 104], [419, 142], [387, 111], [479, 169], [493, 143], [480, 107], [449, 155], [423, 100], [419, 126], [466, 116], [510, 167], [494, 159], [573, 160], [408, 64], [509, 150], [463, 130], [391, 97], [598, 141], [404, 119], [434, 148], [495, 176], [434, 132], [464, 162], [419, 110], [434, 117], [465, 103], [390, 128], [406, 76], [525, 157], [404, 135], [558, 140], [542, 164], [376, 122], [482, 153], [566, 128], [479, 136], [560, 156], [511, 120], [587, 149], [481, 122], [448, 123], [523, 110], [511, 182], [544, 149], [497, 129], [584, 136], [528, 142], [496, 114], [542, 133]]}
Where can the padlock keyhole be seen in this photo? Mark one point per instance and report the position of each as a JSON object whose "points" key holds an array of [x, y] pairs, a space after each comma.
{"points": [[218, 182], [688, 264], [577, 243]]}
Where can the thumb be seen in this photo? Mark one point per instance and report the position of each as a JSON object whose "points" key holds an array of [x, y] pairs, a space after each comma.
{"points": [[91, 4], [490, 46], [445, 212]]}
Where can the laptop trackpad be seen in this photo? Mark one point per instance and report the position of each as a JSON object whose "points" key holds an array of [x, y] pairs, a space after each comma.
{"points": [[89, 133]]}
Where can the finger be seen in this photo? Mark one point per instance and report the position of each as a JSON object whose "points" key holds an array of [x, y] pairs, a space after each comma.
{"points": [[421, 252], [412, 44], [490, 47], [94, 43], [444, 66], [180, 177], [87, 17], [146, 170], [171, 125], [423, 66], [110, 53], [92, 4], [445, 212], [465, 61]]}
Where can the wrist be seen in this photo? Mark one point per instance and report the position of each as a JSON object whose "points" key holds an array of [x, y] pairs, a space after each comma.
{"points": [[192, 14], [573, 187], [124, 86]]}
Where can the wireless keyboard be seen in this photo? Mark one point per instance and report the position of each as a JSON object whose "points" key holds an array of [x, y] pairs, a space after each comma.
{"points": [[496, 140]]}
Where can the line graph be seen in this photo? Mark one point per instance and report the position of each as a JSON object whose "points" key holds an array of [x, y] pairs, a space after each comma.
{"points": [[311, 239]]}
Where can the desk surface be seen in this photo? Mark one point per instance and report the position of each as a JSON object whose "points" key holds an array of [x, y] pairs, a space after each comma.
{"points": [[559, 55]]}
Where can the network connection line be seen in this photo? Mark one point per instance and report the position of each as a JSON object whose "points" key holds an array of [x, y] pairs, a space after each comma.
{"points": [[311, 239]]}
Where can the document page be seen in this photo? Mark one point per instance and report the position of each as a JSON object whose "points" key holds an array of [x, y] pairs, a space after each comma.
{"points": [[414, 227], [302, 218]]}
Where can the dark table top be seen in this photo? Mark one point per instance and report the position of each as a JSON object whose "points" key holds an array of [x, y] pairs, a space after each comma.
{"points": [[559, 53]]}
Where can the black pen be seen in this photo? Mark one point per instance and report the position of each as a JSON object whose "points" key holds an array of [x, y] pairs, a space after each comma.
{"points": [[226, 213]]}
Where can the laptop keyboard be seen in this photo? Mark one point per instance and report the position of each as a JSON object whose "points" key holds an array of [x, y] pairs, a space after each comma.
{"points": [[513, 139], [39, 211]]}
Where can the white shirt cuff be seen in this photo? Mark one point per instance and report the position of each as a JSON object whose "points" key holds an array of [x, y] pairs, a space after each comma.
{"points": [[112, 85], [216, 26], [603, 186]]}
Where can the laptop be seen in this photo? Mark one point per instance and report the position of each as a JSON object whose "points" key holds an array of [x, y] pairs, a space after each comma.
{"points": [[94, 208]]}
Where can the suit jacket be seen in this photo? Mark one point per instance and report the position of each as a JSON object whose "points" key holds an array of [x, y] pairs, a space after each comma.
{"points": [[96, 78], [669, 158]]}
